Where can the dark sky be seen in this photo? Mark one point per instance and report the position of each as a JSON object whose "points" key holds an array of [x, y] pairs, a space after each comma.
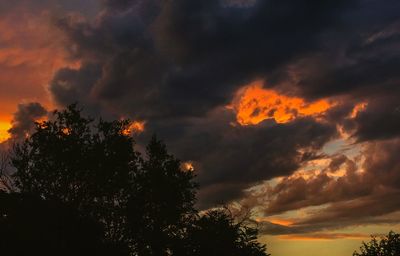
{"points": [[288, 107]]}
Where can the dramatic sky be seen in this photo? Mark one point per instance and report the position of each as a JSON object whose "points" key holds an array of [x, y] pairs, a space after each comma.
{"points": [[288, 108]]}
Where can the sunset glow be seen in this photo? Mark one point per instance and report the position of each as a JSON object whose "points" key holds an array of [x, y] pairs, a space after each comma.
{"points": [[134, 128], [357, 109], [288, 111], [324, 236], [4, 135], [188, 166], [254, 104], [282, 222]]}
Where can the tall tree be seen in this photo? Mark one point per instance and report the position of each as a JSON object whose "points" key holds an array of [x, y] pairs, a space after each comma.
{"points": [[92, 166], [87, 165], [162, 201], [143, 204]]}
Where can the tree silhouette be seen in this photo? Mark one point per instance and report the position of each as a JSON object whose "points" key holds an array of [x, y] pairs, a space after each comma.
{"points": [[85, 165], [142, 205], [216, 233], [162, 201], [388, 245]]}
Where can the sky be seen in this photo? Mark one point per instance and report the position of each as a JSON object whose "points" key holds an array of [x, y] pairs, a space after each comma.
{"points": [[289, 109]]}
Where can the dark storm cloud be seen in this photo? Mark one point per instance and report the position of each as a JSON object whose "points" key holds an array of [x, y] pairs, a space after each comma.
{"points": [[359, 57], [380, 120], [230, 158], [73, 85], [357, 61], [24, 118], [184, 58], [176, 63]]}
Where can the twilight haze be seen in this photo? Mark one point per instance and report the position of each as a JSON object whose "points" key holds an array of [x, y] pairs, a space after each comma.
{"points": [[288, 108]]}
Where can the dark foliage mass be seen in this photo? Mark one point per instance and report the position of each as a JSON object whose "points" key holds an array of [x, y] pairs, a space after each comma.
{"points": [[388, 245], [82, 189], [30, 225]]}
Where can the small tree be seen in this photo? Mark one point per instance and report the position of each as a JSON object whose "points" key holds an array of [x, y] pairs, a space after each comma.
{"points": [[388, 245], [217, 233]]}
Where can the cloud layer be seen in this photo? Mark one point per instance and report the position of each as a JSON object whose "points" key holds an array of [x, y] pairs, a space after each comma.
{"points": [[325, 71]]}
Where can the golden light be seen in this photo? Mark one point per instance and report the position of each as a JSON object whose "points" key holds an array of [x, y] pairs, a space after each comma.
{"points": [[135, 127], [188, 166], [4, 127], [254, 104], [358, 108], [323, 236], [66, 131], [282, 222]]}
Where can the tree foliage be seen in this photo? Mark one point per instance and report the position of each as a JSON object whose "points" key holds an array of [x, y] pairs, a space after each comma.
{"points": [[143, 205], [216, 233], [388, 245]]}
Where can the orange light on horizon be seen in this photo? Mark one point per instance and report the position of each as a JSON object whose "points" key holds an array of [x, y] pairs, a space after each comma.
{"points": [[323, 236], [4, 135], [254, 104]]}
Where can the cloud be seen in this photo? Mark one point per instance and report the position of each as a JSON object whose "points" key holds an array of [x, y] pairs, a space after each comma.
{"points": [[72, 85], [180, 58], [325, 236], [230, 158], [253, 104], [24, 118], [176, 66], [365, 194]]}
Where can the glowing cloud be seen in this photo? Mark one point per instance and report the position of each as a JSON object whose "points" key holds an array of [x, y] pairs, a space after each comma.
{"points": [[254, 104], [282, 222], [188, 166], [358, 108], [32, 50], [135, 127]]}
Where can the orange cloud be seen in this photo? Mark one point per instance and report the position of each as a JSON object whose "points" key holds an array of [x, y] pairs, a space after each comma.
{"points": [[358, 108], [254, 104], [188, 166], [282, 222], [135, 127], [32, 51]]}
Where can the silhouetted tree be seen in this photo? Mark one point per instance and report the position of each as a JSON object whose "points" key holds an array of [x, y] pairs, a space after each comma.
{"points": [[89, 166], [217, 233], [6, 181], [162, 201], [388, 245], [144, 205]]}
